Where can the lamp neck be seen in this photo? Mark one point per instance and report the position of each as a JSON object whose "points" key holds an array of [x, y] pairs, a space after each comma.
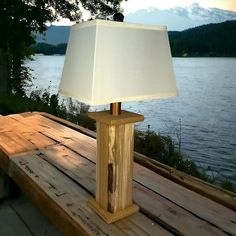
{"points": [[115, 108]]}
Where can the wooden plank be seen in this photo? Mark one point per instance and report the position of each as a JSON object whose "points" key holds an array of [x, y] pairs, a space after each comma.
{"points": [[36, 190], [166, 212], [62, 134], [82, 143], [28, 131], [203, 207], [6, 144], [83, 172], [38, 139], [191, 201], [33, 123], [86, 147], [9, 123], [61, 199], [175, 218], [28, 123], [16, 137], [5, 123], [81, 147], [213, 192], [69, 124], [13, 142], [51, 129]]}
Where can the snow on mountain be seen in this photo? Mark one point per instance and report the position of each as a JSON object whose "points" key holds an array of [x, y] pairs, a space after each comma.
{"points": [[181, 18]]}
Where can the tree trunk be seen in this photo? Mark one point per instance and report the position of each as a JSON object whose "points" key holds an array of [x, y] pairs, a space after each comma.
{"points": [[4, 72]]}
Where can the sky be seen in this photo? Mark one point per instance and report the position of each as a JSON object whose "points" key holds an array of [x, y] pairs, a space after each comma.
{"points": [[134, 5]]}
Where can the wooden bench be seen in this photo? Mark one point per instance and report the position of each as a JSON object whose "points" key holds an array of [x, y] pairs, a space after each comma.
{"points": [[54, 164]]}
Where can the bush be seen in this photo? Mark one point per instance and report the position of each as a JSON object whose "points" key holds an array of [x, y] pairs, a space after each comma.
{"points": [[44, 102], [162, 149], [228, 185]]}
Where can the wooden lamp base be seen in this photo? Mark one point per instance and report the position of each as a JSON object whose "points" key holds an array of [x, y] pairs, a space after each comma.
{"points": [[109, 217], [114, 166]]}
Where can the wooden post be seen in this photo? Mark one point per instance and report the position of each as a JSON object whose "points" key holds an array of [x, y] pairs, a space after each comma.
{"points": [[114, 166]]}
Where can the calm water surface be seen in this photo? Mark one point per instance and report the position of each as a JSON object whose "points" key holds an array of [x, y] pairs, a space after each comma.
{"points": [[206, 106]]}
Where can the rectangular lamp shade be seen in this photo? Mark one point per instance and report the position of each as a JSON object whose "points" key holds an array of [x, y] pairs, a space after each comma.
{"points": [[109, 61]]}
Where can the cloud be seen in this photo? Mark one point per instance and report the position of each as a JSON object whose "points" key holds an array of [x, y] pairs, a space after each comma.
{"points": [[135, 5]]}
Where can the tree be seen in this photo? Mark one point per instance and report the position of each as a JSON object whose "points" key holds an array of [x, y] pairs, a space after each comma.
{"points": [[19, 19], [206, 40]]}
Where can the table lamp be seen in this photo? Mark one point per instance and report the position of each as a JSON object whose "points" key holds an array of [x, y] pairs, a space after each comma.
{"points": [[110, 62]]}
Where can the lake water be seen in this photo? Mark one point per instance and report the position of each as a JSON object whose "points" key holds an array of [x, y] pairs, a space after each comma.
{"points": [[206, 106]]}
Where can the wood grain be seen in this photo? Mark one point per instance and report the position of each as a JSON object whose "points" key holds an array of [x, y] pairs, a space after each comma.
{"points": [[68, 124], [166, 212], [210, 191], [17, 137], [213, 192], [114, 168], [61, 199], [190, 201], [203, 207], [73, 154]]}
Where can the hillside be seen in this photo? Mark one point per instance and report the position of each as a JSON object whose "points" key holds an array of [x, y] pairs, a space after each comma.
{"points": [[54, 35], [212, 40], [207, 40]]}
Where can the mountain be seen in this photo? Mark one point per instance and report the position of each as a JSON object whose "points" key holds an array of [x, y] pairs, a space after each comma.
{"points": [[54, 35], [181, 18], [176, 19], [215, 40], [207, 40]]}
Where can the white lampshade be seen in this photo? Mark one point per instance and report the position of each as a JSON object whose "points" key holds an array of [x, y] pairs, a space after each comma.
{"points": [[109, 61]]}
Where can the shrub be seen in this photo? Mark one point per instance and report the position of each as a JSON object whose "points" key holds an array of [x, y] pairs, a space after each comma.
{"points": [[162, 149], [44, 102]]}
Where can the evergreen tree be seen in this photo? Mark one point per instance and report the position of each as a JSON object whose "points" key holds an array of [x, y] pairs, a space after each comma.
{"points": [[20, 18], [207, 40]]}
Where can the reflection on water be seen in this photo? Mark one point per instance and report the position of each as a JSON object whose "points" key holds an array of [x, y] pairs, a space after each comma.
{"points": [[206, 106]]}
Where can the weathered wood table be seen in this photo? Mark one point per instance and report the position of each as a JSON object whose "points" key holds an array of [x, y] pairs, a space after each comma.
{"points": [[54, 164]]}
